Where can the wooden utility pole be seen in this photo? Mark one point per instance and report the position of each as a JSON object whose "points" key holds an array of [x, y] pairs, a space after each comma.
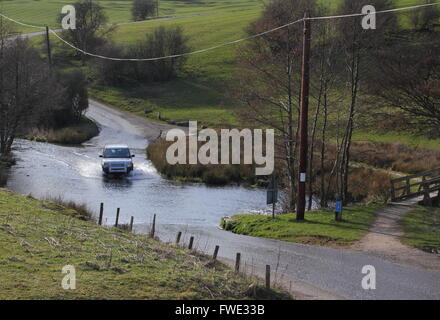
{"points": [[305, 81], [157, 8], [49, 54]]}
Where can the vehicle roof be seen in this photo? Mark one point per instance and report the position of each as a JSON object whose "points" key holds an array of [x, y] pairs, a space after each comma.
{"points": [[122, 146]]}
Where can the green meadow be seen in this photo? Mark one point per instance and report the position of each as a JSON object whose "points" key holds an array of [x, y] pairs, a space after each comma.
{"points": [[44, 12], [200, 92], [40, 237]]}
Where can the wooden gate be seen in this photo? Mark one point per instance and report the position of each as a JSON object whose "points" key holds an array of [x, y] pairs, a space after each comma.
{"points": [[416, 185]]}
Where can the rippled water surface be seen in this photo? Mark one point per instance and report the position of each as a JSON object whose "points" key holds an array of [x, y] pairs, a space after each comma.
{"points": [[74, 173]]}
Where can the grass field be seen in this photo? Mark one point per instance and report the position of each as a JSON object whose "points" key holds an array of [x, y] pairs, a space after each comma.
{"points": [[422, 228], [200, 93], [40, 237], [44, 12], [320, 227], [411, 140]]}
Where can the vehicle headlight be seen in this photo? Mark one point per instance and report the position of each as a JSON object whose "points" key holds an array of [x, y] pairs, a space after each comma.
{"points": [[105, 165]]}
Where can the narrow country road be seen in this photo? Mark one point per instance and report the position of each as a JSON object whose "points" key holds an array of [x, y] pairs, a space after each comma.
{"points": [[194, 209]]}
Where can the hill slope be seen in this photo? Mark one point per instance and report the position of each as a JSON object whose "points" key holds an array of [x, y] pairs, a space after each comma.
{"points": [[40, 237]]}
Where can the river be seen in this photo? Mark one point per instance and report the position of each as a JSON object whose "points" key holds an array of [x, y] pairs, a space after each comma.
{"points": [[74, 173]]}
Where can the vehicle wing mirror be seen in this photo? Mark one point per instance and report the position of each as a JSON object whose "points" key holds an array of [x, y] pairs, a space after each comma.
{"points": [[132, 155], [100, 155]]}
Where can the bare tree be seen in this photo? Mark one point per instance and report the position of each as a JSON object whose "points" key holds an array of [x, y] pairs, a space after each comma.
{"points": [[409, 75], [27, 90], [358, 44], [268, 81], [325, 57]]}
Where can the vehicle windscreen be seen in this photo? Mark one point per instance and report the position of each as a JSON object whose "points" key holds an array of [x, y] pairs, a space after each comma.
{"points": [[116, 153]]}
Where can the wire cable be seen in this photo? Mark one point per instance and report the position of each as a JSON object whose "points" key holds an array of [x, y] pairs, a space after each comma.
{"points": [[21, 23], [223, 44], [377, 12]]}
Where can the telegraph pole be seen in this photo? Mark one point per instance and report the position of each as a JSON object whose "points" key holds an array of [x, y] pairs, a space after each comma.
{"points": [[49, 55], [301, 196]]}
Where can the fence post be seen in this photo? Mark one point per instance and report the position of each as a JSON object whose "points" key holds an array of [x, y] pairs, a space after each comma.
{"points": [[131, 223], [153, 227], [393, 192], [191, 241], [179, 234], [237, 262], [267, 276], [427, 196], [101, 213], [214, 256], [117, 217]]}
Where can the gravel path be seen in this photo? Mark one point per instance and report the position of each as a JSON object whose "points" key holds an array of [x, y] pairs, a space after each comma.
{"points": [[383, 241]]}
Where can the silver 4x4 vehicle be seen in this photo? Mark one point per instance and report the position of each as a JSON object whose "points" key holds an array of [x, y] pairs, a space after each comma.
{"points": [[117, 159]]}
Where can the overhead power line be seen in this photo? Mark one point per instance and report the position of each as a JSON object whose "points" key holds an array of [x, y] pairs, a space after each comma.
{"points": [[22, 23], [220, 45]]}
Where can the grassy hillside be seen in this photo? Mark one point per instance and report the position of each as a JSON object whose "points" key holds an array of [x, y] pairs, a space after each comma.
{"points": [[44, 12], [200, 93], [40, 237]]}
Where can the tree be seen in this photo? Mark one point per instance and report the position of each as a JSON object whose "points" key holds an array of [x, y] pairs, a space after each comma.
{"points": [[163, 41], [409, 75], [143, 8], [75, 97], [28, 90], [358, 45], [91, 28], [268, 81]]}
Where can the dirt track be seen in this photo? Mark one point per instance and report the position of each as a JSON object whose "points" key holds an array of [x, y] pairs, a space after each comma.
{"points": [[383, 240]]}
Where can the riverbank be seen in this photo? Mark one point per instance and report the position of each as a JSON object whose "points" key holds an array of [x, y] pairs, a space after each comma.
{"points": [[41, 237], [5, 163], [74, 134], [319, 228], [219, 175]]}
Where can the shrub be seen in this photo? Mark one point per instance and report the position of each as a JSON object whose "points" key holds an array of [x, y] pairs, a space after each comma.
{"points": [[3, 176], [161, 42], [142, 9], [395, 156], [82, 210], [210, 174]]}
